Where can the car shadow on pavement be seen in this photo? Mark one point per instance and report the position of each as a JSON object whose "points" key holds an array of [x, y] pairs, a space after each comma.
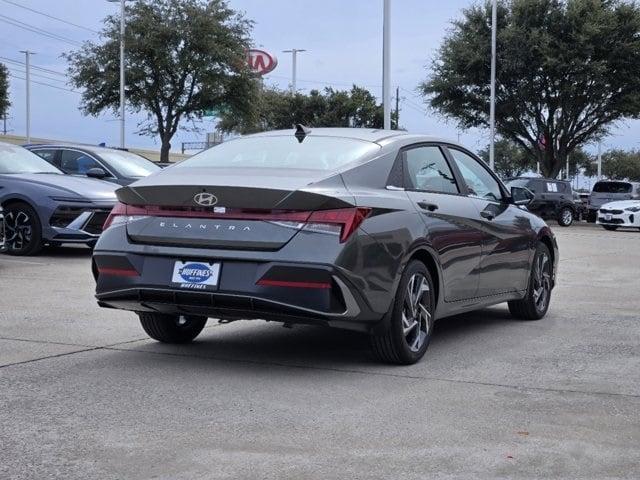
{"points": [[66, 251], [260, 342]]}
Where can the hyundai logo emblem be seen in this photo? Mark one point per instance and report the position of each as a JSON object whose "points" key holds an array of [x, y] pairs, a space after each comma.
{"points": [[205, 199]]}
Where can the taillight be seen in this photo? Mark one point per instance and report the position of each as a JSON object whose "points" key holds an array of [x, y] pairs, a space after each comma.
{"points": [[343, 221], [122, 213]]}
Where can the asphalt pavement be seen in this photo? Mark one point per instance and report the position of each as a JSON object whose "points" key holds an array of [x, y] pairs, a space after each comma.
{"points": [[84, 394]]}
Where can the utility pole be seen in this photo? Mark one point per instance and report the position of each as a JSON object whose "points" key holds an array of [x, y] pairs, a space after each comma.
{"points": [[4, 126], [294, 66], [27, 55], [122, 75], [492, 108], [599, 160], [397, 108], [386, 65]]}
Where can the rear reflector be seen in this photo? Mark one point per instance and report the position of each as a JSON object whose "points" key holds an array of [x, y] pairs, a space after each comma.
{"points": [[346, 220], [118, 272], [293, 284]]}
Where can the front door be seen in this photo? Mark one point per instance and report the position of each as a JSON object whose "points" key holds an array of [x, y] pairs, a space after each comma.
{"points": [[507, 233]]}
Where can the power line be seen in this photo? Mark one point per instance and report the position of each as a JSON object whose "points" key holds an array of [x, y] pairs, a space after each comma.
{"points": [[42, 69], [50, 16], [36, 74], [39, 31], [45, 84]]}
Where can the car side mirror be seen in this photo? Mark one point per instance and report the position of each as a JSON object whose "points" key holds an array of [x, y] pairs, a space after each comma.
{"points": [[96, 172], [521, 196]]}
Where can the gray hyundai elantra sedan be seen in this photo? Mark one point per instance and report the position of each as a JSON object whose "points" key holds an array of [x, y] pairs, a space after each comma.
{"points": [[377, 231]]}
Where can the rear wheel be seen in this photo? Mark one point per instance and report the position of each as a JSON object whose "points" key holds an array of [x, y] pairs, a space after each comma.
{"points": [[172, 328], [407, 338], [535, 304], [23, 232], [565, 217], [611, 228]]}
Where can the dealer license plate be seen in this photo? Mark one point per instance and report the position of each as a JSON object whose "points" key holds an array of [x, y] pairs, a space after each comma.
{"points": [[607, 216], [196, 275]]}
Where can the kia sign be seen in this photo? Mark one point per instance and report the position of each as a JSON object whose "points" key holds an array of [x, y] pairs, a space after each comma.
{"points": [[261, 62]]}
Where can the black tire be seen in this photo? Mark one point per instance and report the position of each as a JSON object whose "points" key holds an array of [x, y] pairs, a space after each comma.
{"points": [[172, 328], [22, 229], [591, 216], [611, 228], [405, 341], [565, 217], [535, 304]]}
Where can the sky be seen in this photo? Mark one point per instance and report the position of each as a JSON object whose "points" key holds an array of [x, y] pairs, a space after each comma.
{"points": [[343, 40]]}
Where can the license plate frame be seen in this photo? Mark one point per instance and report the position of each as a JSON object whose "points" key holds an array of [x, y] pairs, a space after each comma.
{"points": [[195, 274]]}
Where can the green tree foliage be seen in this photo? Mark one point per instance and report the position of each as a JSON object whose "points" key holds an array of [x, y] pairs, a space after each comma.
{"points": [[4, 90], [567, 70], [618, 164], [276, 109], [511, 160], [182, 57]]}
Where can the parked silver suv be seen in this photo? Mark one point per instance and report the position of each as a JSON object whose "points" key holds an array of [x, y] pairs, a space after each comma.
{"points": [[607, 191]]}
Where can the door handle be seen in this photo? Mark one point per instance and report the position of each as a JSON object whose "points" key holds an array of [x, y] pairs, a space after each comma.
{"points": [[432, 207], [488, 215]]}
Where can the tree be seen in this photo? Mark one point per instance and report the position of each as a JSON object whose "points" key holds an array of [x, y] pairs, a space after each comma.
{"points": [[4, 90], [277, 109], [618, 164], [567, 70], [511, 160], [182, 57]]}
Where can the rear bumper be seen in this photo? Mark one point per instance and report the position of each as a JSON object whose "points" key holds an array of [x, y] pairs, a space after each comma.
{"points": [[146, 286]]}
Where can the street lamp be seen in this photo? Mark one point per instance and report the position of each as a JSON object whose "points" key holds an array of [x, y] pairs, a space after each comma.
{"points": [[492, 107], [386, 65], [122, 80], [294, 62]]}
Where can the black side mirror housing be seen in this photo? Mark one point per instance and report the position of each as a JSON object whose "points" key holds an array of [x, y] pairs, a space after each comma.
{"points": [[521, 196], [96, 172]]}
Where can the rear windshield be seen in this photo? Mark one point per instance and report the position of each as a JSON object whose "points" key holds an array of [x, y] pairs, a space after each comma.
{"points": [[612, 187], [314, 153], [518, 182]]}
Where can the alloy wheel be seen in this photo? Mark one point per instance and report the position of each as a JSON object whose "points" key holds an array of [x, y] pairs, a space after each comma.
{"points": [[416, 318], [567, 216], [18, 229], [541, 281]]}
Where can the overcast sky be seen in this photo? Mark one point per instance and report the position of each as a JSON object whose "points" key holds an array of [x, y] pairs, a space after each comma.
{"points": [[343, 41]]}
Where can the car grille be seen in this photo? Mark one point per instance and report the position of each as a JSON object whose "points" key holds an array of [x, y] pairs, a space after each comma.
{"points": [[613, 212], [614, 221]]}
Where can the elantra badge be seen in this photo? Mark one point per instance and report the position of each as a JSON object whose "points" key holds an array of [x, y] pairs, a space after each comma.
{"points": [[205, 199]]}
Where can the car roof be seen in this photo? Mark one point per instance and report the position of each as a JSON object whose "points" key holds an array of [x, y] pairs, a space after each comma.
{"points": [[375, 135]]}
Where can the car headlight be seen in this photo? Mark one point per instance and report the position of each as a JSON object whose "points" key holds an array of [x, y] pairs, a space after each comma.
{"points": [[633, 209]]}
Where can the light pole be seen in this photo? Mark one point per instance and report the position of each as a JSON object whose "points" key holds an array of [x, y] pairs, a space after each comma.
{"points": [[492, 108], [386, 65], [122, 79], [294, 66], [27, 62]]}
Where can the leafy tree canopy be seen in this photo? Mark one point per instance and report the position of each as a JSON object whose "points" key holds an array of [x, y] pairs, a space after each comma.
{"points": [[511, 160], [567, 70], [277, 109], [182, 57], [4, 90], [618, 164]]}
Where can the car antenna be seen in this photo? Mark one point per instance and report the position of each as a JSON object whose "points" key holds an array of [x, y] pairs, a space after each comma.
{"points": [[301, 132]]}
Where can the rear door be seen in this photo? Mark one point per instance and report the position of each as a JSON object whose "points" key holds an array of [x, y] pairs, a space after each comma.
{"points": [[507, 234], [448, 215]]}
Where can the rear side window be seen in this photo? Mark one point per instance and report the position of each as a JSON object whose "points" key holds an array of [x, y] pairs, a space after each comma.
{"points": [[427, 169], [613, 187], [48, 155], [313, 153]]}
